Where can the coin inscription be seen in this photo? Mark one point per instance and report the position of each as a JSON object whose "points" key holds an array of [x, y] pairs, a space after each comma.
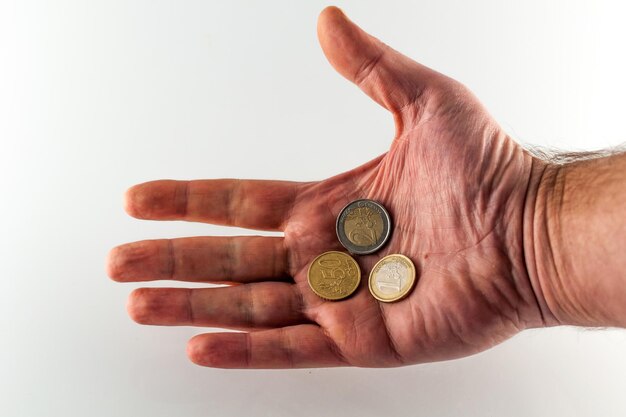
{"points": [[392, 278], [334, 275], [363, 226]]}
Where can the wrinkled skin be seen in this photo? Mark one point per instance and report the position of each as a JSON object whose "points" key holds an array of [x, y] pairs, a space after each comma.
{"points": [[455, 185]]}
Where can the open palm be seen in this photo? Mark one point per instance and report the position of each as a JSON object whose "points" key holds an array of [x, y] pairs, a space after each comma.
{"points": [[455, 186]]}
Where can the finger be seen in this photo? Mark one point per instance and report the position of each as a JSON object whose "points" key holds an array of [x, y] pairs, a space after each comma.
{"points": [[302, 346], [201, 259], [390, 78], [262, 205], [249, 306]]}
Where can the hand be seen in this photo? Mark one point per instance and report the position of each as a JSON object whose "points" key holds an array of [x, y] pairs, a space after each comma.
{"points": [[455, 185]]}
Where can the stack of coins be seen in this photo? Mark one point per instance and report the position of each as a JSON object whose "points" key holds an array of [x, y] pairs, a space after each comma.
{"points": [[363, 227]]}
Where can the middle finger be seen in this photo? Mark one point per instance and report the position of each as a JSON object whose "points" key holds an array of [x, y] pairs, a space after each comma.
{"points": [[201, 259]]}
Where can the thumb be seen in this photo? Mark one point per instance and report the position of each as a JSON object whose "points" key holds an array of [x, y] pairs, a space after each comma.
{"points": [[393, 80]]}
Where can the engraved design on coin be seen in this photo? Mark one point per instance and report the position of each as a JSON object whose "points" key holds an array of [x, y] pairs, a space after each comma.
{"points": [[392, 278], [334, 275], [363, 226]]}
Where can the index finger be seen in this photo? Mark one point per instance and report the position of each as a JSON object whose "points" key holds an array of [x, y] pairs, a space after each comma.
{"points": [[253, 204]]}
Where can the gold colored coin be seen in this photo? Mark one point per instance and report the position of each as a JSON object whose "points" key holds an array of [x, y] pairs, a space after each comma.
{"points": [[334, 275], [392, 278]]}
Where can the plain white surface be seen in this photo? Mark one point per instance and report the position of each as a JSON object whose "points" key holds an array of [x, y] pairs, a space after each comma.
{"points": [[98, 95]]}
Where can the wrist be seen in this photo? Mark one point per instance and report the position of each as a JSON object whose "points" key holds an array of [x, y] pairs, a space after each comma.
{"points": [[573, 239], [539, 211]]}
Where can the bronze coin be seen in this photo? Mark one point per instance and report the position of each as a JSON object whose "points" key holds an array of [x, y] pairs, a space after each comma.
{"points": [[334, 275]]}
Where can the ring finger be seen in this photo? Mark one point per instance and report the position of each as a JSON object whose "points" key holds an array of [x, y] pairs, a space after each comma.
{"points": [[248, 306]]}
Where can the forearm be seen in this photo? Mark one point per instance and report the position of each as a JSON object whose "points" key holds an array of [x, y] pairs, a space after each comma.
{"points": [[575, 241]]}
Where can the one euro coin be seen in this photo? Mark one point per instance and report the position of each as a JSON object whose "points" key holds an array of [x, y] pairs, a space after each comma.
{"points": [[392, 278]]}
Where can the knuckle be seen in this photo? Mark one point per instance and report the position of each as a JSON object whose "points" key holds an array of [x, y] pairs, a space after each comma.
{"points": [[367, 68]]}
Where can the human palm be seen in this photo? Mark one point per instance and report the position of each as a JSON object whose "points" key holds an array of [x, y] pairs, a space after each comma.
{"points": [[454, 185]]}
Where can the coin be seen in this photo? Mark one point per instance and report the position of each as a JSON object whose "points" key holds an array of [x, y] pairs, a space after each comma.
{"points": [[363, 226], [392, 278], [334, 275]]}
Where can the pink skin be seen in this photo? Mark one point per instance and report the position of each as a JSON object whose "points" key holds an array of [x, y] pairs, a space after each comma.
{"points": [[455, 185]]}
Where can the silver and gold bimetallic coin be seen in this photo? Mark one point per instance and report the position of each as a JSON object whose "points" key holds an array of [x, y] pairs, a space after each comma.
{"points": [[363, 226], [334, 275], [392, 278]]}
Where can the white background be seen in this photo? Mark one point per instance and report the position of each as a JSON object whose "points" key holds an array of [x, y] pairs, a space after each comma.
{"points": [[98, 95]]}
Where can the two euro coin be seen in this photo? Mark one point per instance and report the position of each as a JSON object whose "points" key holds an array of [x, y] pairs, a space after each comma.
{"points": [[363, 227]]}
